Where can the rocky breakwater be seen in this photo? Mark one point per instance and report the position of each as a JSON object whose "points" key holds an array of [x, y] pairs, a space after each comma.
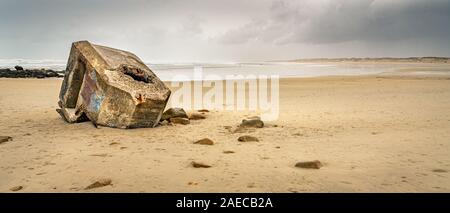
{"points": [[20, 72]]}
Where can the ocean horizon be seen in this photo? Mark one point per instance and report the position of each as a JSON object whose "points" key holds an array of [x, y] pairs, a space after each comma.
{"points": [[222, 70]]}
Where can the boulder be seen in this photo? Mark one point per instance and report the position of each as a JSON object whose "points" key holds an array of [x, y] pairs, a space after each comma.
{"points": [[51, 74], [18, 68], [38, 74], [110, 87], [174, 113], [5, 73]]}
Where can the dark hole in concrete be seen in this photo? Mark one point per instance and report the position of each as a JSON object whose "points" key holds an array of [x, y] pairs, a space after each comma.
{"points": [[136, 73]]}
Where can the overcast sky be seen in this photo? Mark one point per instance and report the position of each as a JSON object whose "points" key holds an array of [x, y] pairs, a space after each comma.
{"points": [[227, 30]]}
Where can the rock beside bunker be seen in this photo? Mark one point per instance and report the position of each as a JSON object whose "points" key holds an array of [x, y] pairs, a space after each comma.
{"points": [[177, 120], [174, 113]]}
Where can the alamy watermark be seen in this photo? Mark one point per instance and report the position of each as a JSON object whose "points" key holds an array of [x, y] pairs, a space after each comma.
{"points": [[259, 93]]}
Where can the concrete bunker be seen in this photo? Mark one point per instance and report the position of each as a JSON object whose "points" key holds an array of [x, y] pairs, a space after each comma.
{"points": [[110, 87]]}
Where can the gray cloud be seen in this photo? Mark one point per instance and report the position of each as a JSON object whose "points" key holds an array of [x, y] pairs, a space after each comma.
{"points": [[344, 21], [192, 25], [212, 30]]}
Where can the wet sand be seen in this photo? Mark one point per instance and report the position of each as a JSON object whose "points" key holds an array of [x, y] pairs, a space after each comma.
{"points": [[372, 133]]}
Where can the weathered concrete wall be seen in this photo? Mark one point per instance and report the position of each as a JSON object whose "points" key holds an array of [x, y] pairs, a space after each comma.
{"points": [[111, 88]]}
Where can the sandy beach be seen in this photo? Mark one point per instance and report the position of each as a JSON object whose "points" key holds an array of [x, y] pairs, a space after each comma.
{"points": [[378, 133]]}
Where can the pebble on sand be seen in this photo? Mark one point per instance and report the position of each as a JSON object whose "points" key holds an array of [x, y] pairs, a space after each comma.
{"points": [[228, 152], [204, 141], [248, 138], [99, 183], [309, 164], [4, 139], [16, 188], [254, 122], [199, 165], [203, 110]]}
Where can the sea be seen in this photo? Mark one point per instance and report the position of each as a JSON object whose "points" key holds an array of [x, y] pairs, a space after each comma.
{"points": [[215, 71]]}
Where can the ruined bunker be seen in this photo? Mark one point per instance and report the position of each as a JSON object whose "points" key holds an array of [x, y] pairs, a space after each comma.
{"points": [[110, 87]]}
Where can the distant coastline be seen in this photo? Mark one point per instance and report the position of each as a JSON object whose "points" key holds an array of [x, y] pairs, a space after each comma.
{"points": [[444, 60]]}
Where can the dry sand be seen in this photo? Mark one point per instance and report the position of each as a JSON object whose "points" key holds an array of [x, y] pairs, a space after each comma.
{"points": [[373, 134]]}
